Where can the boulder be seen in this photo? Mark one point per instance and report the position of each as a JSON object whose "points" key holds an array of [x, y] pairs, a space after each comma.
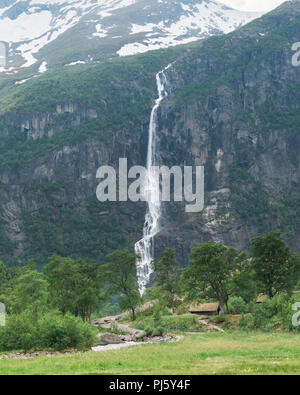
{"points": [[109, 338]]}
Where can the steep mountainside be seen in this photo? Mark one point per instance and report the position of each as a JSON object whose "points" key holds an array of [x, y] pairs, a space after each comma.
{"points": [[235, 109], [63, 32], [233, 106]]}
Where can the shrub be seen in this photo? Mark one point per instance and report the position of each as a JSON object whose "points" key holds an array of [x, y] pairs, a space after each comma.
{"points": [[52, 331], [149, 331], [183, 322], [157, 313], [246, 322], [182, 309], [60, 332], [20, 333], [158, 331], [237, 305], [274, 314], [155, 310]]}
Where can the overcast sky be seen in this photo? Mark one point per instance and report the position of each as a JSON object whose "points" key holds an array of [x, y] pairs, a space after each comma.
{"points": [[253, 5]]}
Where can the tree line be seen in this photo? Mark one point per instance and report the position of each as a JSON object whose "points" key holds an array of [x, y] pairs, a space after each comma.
{"points": [[218, 272], [79, 288]]}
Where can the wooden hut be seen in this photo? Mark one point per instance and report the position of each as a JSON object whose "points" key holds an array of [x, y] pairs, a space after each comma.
{"points": [[205, 309]]}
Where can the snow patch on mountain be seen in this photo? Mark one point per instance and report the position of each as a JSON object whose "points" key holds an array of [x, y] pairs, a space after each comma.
{"points": [[198, 21], [43, 67], [99, 31], [140, 25]]}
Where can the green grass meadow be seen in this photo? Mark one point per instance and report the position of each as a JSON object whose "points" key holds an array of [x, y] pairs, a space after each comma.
{"points": [[213, 353]]}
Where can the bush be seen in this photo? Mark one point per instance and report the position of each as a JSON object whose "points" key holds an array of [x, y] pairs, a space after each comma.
{"points": [[237, 305], [274, 314], [158, 331], [53, 331], [149, 331], [60, 332], [246, 322], [182, 309], [20, 333], [265, 314], [155, 310]]}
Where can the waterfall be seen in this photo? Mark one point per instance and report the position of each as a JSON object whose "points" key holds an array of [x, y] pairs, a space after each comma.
{"points": [[145, 247]]}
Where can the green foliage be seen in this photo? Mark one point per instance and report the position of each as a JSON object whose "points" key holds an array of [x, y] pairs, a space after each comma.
{"points": [[227, 70], [250, 202], [151, 311], [121, 90], [85, 83], [159, 331], [275, 314], [167, 278], [6, 244], [74, 232], [276, 268], [209, 272], [30, 293], [208, 75], [60, 332], [42, 307], [17, 149], [7, 278], [52, 331], [183, 308], [168, 323], [74, 285], [120, 275], [243, 281], [220, 319], [20, 333], [114, 329], [237, 305]]}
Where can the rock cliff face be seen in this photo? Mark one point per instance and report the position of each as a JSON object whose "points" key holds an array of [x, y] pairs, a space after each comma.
{"points": [[233, 107], [243, 126], [49, 203], [40, 125]]}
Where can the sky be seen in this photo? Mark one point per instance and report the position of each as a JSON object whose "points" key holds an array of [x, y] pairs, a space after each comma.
{"points": [[253, 5]]}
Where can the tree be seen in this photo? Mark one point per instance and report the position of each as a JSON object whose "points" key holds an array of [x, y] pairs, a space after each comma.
{"points": [[209, 272], [6, 278], [121, 278], [87, 287], [61, 274], [243, 282], [31, 293], [73, 285], [167, 279], [275, 267]]}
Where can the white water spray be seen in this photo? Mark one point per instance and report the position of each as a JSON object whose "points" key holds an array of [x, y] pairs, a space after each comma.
{"points": [[145, 247]]}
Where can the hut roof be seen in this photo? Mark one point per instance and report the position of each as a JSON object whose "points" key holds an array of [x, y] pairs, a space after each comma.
{"points": [[204, 307]]}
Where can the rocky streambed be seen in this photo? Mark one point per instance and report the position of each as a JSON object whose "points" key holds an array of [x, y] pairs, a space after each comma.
{"points": [[107, 342], [116, 342]]}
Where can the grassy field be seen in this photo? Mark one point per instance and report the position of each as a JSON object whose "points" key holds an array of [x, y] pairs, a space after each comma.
{"points": [[234, 353]]}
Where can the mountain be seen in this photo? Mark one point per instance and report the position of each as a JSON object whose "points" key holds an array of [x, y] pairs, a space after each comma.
{"points": [[45, 33], [233, 106]]}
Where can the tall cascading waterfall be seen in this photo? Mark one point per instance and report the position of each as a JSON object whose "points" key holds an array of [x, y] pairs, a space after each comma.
{"points": [[145, 247]]}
